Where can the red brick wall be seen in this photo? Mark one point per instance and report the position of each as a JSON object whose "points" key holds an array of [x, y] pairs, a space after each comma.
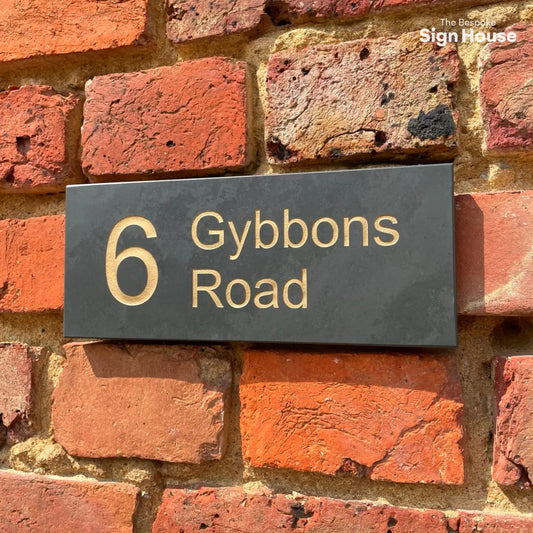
{"points": [[126, 436]]}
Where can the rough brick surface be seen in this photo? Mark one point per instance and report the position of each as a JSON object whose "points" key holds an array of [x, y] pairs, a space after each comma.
{"points": [[231, 509], [32, 256], [353, 99], [486, 523], [394, 417], [188, 19], [159, 402], [54, 505], [494, 253], [31, 28], [187, 118], [506, 92], [513, 445], [35, 124], [16, 388]]}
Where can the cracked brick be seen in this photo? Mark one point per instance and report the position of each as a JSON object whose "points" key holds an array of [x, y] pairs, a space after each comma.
{"points": [[189, 119], [394, 417], [513, 447], [69, 26]]}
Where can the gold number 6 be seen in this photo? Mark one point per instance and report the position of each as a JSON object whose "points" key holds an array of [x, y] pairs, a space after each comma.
{"points": [[112, 261]]}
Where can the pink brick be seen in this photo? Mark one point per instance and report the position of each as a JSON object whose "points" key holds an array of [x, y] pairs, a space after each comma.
{"points": [[494, 241], [506, 96]]}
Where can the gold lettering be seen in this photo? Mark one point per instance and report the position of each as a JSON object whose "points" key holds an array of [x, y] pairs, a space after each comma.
{"points": [[246, 288], [334, 236], [388, 231], [239, 243], [210, 289], [300, 283], [258, 225], [273, 293], [364, 226], [219, 232], [287, 223]]}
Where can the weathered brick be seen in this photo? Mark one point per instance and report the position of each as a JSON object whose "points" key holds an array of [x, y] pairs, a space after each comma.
{"points": [[35, 126], [189, 118], [513, 445], [163, 402], [471, 522], [493, 253], [395, 417], [188, 19], [231, 509], [354, 100], [32, 253], [53, 505], [17, 363], [40, 27], [506, 96]]}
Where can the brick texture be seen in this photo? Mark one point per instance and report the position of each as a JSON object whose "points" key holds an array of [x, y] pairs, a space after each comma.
{"points": [[32, 255], [17, 363], [353, 100], [36, 124], [513, 446], [53, 505], [506, 96], [494, 253], [151, 401], [188, 19], [486, 523], [40, 27], [231, 509], [187, 118], [393, 417]]}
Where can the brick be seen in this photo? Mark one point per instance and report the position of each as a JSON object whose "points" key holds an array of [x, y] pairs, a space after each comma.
{"points": [[189, 20], [231, 509], [69, 26], [32, 256], [395, 417], [506, 97], [513, 446], [354, 100], [493, 253], [17, 363], [486, 523], [35, 126], [53, 505], [163, 402], [189, 118]]}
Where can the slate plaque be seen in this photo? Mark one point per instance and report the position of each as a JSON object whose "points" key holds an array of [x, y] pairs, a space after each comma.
{"points": [[345, 257]]}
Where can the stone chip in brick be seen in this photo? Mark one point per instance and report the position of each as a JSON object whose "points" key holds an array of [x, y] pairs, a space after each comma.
{"points": [[37, 126], [231, 509]]}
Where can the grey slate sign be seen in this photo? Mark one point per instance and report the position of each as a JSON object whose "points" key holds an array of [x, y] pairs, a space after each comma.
{"points": [[345, 257]]}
